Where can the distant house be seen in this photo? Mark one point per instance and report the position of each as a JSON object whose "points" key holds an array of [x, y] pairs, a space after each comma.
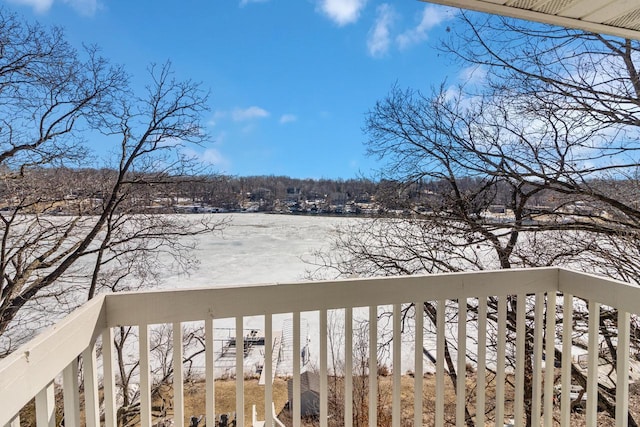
{"points": [[309, 394]]}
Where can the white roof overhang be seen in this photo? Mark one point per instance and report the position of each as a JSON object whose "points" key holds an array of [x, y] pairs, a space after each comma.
{"points": [[615, 17]]}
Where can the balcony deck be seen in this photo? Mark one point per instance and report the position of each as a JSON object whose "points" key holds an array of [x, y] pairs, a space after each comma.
{"points": [[477, 312]]}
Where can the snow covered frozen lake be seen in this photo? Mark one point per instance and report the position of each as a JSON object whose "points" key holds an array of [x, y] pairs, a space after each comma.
{"points": [[255, 249], [258, 248]]}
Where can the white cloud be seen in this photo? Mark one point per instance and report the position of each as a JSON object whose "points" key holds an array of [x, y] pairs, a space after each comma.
{"points": [[474, 74], [288, 118], [342, 12], [432, 16], [253, 112], [84, 7], [209, 157], [379, 38], [39, 6], [243, 3]]}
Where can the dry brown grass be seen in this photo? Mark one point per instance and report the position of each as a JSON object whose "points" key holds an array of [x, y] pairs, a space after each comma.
{"points": [[225, 391], [225, 402]]}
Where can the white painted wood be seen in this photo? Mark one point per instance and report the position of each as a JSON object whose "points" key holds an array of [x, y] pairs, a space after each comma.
{"points": [[622, 370], [520, 354], [482, 362], [25, 372], [46, 407], [623, 296], [596, 23], [178, 376], [210, 385], [348, 366], [397, 369], [440, 318], [324, 394], [145, 377], [240, 371], [418, 364], [31, 364], [549, 362], [501, 358], [581, 8], [538, 345], [461, 362], [373, 366], [15, 422], [71, 395], [183, 305], [567, 333], [268, 368], [90, 374], [608, 14], [297, 405], [109, 379], [592, 364]]}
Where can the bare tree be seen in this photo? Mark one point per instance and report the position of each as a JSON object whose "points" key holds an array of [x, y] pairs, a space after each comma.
{"points": [[52, 99], [536, 167]]}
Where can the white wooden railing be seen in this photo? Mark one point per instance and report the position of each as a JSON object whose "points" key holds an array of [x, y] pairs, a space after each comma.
{"points": [[50, 362]]}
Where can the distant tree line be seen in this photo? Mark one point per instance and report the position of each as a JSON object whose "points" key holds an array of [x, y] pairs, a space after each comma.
{"points": [[81, 191]]}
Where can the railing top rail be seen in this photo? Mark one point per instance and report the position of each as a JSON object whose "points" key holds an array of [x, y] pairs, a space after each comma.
{"points": [[614, 293], [196, 304], [31, 367], [25, 372]]}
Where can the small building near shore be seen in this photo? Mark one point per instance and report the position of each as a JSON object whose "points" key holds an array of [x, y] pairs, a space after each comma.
{"points": [[309, 394]]}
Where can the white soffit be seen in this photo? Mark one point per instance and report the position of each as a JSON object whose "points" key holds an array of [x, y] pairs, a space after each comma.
{"points": [[616, 17]]}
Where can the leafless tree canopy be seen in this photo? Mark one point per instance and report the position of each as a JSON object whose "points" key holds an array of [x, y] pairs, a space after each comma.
{"points": [[532, 162], [52, 99]]}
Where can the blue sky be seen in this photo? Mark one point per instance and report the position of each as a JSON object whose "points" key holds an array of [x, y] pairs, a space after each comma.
{"points": [[290, 80]]}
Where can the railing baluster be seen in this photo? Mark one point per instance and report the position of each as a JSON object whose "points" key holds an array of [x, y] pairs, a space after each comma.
{"points": [[46, 407], [481, 377], [268, 369], [501, 359], [622, 370], [348, 366], [373, 365], [145, 377], [592, 364], [71, 395], [210, 396], [536, 392], [324, 395], [567, 338], [440, 363], [297, 405], [178, 376], [520, 353], [419, 364], [91, 402], [397, 368], [461, 362], [240, 371], [109, 381], [15, 422], [549, 359]]}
